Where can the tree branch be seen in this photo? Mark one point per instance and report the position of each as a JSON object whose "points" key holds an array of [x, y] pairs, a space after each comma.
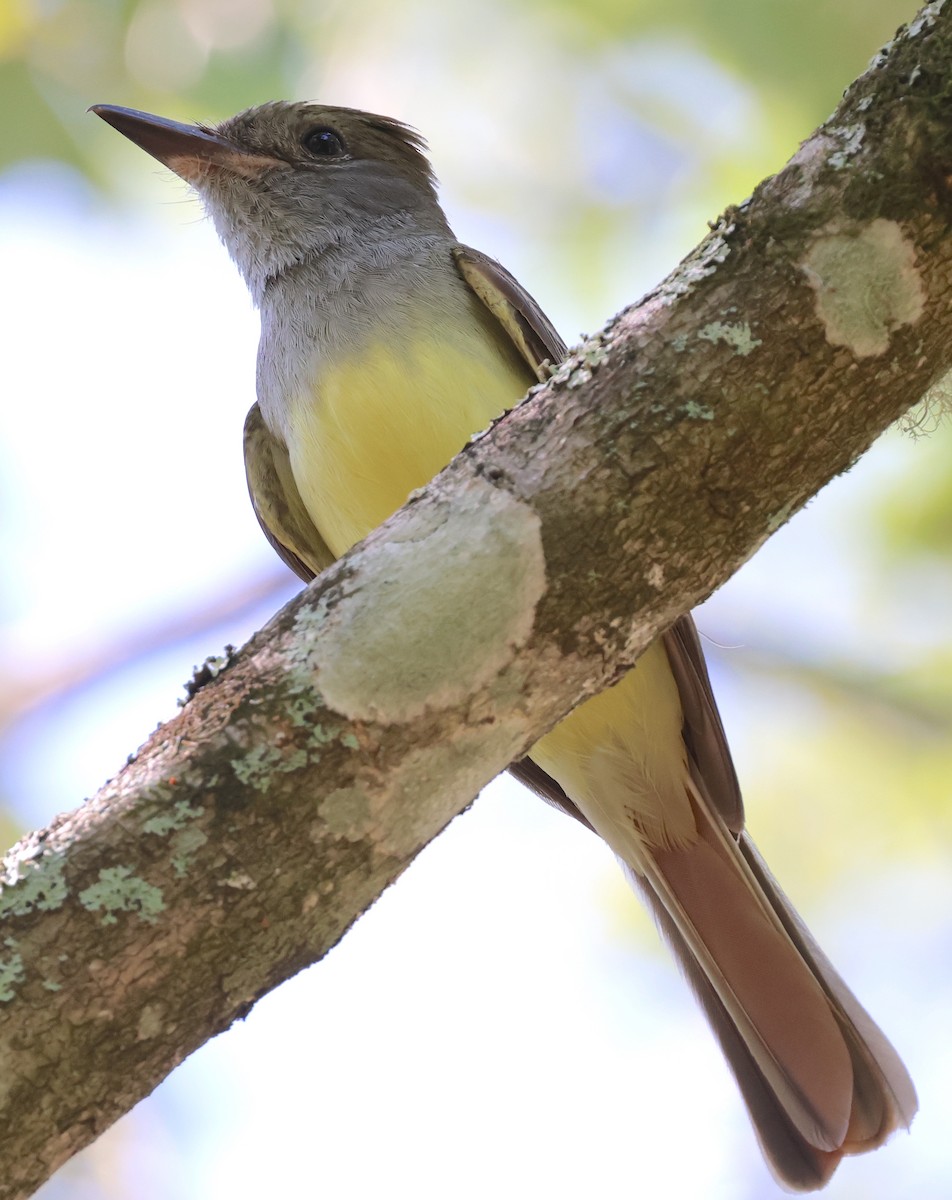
{"points": [[252, 830]]}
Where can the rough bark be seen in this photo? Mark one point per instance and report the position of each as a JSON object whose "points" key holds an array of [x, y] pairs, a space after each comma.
{"points": [[250, 832]]}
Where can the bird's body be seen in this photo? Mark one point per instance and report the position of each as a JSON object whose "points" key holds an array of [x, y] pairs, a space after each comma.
{"points": [[376, 418], [385, 345], [371, 416]]}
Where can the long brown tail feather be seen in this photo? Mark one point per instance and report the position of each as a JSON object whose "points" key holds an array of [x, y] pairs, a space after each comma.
{"points": [[796, 1164], [777, 1032], [773, 999], [884, 1094]]}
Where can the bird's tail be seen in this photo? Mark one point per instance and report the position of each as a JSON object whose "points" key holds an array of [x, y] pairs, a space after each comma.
{"points": [[817, 1074]]}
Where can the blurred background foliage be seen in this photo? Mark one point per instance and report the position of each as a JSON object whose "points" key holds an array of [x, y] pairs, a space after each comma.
{"points": [[586, 145]]}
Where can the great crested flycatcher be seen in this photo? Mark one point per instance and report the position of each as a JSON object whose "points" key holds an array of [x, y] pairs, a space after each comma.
{"points": [[385, 344]]}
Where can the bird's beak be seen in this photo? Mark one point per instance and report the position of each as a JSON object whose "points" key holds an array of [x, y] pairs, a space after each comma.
{"points": [[188, 150]]}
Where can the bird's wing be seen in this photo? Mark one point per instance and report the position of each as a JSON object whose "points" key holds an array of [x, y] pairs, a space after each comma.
{"points": [[536, 339], [708, 755], [277, 501], [524, 322]]}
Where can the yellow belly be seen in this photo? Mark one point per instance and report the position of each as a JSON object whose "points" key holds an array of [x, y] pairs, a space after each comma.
{"points": [[385, 424], [621, 758]]}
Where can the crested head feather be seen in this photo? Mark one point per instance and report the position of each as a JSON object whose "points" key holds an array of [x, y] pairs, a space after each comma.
{"points": [[278, 127]]}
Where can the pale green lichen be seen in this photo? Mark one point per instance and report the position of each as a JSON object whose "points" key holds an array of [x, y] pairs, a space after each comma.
{"points": [[119, 890], [295, 761], [865, 282], [309, 624], [346, 812], [577, 367], [433, 785], [737, 336], [780, 517], [33, 882], [594, 353], [321, 735], [12, 972], [409, 636], [702, 264], [176, 817], [52, 986], [185, 843], [257, 767], [697, 412], [300, 709], [301, 704], [260, 765], [850, 139]]}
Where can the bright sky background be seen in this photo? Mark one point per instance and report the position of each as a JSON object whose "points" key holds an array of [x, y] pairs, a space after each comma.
{"points": [[502, 1022]]}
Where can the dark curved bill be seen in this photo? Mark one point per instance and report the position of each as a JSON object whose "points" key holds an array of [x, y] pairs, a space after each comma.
{"points": [[162, 138], [185, 149]]}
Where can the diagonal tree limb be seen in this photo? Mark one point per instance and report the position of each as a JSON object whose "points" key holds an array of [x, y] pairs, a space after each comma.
{"points": [[251, 831]]}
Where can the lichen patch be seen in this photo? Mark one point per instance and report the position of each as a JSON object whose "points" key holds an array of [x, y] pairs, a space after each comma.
{"points": [[119, 890], [865, 283], [410, 634], [33, 882], [346, 812], [432, 784], [737, 335], [850, 143], [12, 972]]}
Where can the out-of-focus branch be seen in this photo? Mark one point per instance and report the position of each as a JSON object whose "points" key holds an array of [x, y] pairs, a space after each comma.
{"points": [[22, 691]]}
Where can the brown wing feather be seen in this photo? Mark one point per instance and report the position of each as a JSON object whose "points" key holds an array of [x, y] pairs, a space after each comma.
{"points": [[537, 340], [527, 326], [277, 502], [545, 787], [710, 758]]}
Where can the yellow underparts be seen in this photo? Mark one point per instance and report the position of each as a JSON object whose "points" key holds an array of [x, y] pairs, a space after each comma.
{"points": [[384, 424]]}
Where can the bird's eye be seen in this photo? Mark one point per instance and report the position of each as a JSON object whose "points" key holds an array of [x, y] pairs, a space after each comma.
{"points": [[323, 142]]}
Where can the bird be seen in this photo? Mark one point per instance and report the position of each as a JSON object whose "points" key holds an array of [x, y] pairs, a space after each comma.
{"points": [[385, 345]]}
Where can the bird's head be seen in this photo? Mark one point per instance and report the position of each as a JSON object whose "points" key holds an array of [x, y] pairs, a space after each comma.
{"points": [[285, 181]]}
